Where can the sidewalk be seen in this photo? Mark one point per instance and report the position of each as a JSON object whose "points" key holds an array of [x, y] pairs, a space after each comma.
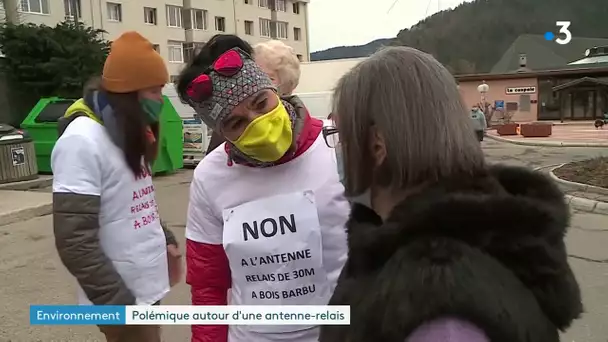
{"points": [[23, 205], [18, 204], [572, 135]]}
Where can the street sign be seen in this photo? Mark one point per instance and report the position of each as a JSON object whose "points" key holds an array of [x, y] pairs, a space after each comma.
{"points": [[499, 104]]}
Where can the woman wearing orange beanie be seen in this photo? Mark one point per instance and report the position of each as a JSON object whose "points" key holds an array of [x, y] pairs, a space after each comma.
{"points": [[107, 228]]}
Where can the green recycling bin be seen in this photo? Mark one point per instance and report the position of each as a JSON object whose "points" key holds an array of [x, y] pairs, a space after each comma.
{"points": [[41, 124], [171, 146]]}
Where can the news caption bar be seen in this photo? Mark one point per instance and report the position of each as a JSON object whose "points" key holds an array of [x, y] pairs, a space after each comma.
{"points": [[189, 315]]}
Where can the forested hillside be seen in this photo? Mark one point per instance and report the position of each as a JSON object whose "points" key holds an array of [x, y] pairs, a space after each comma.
{"points": [[473, 36]]}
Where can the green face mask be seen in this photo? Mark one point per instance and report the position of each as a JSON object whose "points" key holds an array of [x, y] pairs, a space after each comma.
{"points": [[152, 108]]}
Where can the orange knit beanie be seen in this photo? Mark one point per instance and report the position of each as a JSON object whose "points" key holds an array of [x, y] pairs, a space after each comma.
{"points": [[132, 65]]}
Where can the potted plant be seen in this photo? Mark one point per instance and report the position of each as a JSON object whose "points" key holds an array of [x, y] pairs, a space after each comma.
{"points": [[507, 127], [536, 129]]}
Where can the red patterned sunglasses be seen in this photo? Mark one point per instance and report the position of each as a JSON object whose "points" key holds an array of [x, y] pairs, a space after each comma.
{"points": [[227, 65]]}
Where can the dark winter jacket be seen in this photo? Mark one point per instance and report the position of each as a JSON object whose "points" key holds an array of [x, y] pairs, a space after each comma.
{"points": [[488, 250]]}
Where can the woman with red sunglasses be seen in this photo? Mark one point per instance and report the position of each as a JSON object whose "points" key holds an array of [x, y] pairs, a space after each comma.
{"points": [[276, 59], [267, 212]]}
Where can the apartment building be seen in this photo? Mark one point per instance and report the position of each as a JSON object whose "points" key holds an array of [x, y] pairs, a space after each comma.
{"points": [[179, 27]]}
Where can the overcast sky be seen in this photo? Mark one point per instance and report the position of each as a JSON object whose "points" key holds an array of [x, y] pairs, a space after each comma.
{"points": [[356, 22]]}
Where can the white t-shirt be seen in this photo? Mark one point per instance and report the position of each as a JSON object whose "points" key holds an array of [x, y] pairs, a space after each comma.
{"points": [[86, 161], [220, 193]]}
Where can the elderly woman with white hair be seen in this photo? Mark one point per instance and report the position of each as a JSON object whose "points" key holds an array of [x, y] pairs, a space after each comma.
{"points": [[279, 61], [446, 247]]}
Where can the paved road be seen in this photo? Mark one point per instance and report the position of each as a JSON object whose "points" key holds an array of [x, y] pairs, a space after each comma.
{"points": [[32, 273], [537, 156]]}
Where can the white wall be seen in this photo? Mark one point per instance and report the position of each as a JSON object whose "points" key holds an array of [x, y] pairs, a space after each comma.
{"points": [[323, 75], [318, 104]]}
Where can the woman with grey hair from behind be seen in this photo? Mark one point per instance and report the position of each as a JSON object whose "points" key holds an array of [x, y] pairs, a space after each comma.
{"points": [[442, 246]]}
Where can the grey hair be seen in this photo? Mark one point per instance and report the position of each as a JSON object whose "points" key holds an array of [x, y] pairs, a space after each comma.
{"points": [[281, 59], [413, 103]]}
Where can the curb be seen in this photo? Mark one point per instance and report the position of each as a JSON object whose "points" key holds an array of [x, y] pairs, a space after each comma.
{"points": [[25, 214], [580, 203], [545, 143], [577, 186], [550, 167], [40, 182], [587, 205]]}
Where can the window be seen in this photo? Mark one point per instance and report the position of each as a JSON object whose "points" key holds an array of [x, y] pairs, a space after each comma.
{"points": [[200, 19], [35, 6], [188, 52], [196, 19], [220, 24], [174, 16], [297, 33], [191, 50], [249, 27], [280, 5], [281, 30], [176, 52], [296, 7], [300, 58], [264, 3], [156, 47], [114, 11], [264, 27], [150, 16], [70, 11]]}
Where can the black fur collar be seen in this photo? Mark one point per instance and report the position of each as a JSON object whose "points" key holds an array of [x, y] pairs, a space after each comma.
{"points": [[494, 241]]}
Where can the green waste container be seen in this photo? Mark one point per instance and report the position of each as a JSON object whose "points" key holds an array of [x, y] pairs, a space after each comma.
{"points": [[171, 145], [41, 124]]}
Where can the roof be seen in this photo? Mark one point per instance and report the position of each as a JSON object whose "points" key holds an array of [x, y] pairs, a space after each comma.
{"points": [[580, 81], [592, 60], [542, 54], [581, 70]]}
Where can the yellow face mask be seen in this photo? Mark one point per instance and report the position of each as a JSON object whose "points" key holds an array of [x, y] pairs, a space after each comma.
{"points": [[268, 137]]}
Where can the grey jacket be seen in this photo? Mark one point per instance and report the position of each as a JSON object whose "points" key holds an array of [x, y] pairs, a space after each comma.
{"points": [[479, 120]]}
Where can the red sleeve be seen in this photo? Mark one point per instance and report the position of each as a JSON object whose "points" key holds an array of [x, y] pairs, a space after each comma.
{"points": [[208, 274]]}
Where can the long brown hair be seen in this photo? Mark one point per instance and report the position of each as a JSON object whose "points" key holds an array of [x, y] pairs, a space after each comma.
{"points": [[130, 118]]}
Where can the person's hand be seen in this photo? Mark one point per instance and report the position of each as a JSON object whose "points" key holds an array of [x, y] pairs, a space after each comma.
{"points": [[174, 260]]}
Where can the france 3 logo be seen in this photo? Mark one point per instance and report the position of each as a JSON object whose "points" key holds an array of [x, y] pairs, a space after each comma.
{"points": [[565, 36]]}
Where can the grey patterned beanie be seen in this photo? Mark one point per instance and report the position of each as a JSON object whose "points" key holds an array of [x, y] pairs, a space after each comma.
{"points": [[231, 79]]}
